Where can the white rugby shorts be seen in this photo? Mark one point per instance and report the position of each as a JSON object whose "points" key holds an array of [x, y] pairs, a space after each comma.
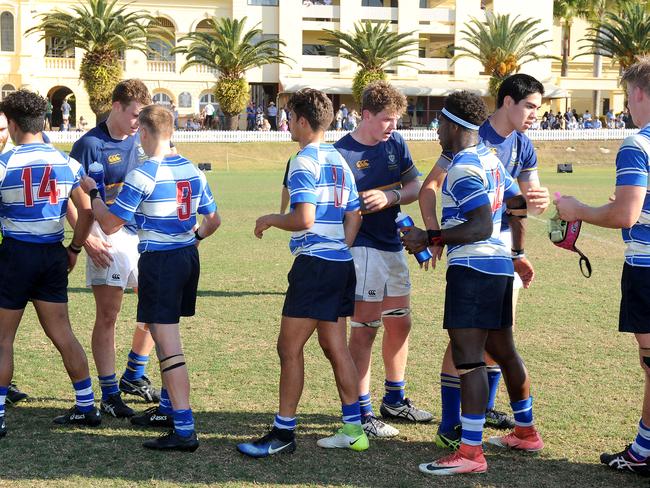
{"points": [[506, 237], [123, 270], [380, 274]]}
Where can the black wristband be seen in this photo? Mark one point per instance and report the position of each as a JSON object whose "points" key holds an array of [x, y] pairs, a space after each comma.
{"points": [[73, 249], [434, 237], [197, 236], [94, 193]]}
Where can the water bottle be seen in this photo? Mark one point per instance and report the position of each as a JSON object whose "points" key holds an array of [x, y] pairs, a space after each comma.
{"points": [[96, 172], [404, 220]]}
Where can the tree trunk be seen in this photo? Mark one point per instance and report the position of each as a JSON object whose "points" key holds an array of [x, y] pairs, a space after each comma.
{"points": [[566, 43], [232, 121]]}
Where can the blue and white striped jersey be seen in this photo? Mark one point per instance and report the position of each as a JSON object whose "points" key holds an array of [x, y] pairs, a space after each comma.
{"points": [[632, 168], [35, 183], [476, 177], [164, 196], [319, 175]]}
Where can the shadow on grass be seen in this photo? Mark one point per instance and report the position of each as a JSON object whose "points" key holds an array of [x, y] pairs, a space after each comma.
{"points": [[36, 449]]}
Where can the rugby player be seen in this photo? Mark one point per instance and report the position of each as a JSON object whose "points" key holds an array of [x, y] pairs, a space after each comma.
{"points": [[162, 197], [36, 182], [386, 177], [324, 219], [478, 297], [629, 210]]}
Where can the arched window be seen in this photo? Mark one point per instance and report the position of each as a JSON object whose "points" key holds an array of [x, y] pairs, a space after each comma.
{"points": [[159, 50], [6, 31], [162, 99], [185, 100], [7, 89], [205, 99], [204, 26]]}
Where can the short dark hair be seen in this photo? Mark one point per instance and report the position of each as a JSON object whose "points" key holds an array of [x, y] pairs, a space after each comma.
{"points": [[468, 106], [25, 108], [518, 87], [314, 106], [381, 95], [638, 74], [158, 120], [132, 90]]}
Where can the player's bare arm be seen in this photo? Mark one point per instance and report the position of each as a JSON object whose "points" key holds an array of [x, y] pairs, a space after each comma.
{"points": [[376, 200], [83, 222], [351, 226], [517, 211], [209, 225], [427, 200], [96, 248], [537, 197], [301, 217], [621, 213], [109, 222]]}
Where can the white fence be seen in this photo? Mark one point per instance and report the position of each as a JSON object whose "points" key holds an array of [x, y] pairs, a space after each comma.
{"points": [[332, 135]]}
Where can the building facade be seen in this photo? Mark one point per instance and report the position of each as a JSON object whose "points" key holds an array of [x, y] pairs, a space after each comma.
{"points": [[51, 69]]}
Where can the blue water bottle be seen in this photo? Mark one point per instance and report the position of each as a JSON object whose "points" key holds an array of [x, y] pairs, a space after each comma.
{"points": [[96, 172], [404, 220]]}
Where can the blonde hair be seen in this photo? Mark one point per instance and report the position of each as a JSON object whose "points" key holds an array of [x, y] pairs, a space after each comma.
{"points": [[158, 120], [381, 95]]}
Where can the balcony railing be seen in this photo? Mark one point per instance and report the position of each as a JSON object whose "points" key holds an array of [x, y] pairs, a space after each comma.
{"points": [[435, 66], [330, 13], [379, 13], [59, 63], [320, 63], [161, 66], [205, 70]]}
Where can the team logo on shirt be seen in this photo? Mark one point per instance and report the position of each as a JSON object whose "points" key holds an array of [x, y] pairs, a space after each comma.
{"points": [[114, 158], [141, 153], [362, 164], [392, 161]]}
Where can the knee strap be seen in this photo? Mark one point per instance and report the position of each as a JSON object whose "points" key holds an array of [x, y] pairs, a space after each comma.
{"points": [[466, 368], [373, 324], [396, 312], [172, 362]]}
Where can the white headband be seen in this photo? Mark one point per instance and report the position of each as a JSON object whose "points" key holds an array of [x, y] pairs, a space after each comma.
{"points": [[458, 120]]}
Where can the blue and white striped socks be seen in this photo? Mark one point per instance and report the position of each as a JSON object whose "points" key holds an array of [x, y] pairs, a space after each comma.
{"points": [[183, 422], [165, 405], [640, 449], [285, 423], [365, 404], [135, 366], [3, 399], [523, 411], [108, 384], [472, 433], [394, 392], [85, 399], [450, 400], [351, 413]]}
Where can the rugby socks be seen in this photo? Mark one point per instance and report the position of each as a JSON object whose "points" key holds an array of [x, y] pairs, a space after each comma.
{"points": [[394, 392], [3, 399], [450, 399], [523, 411], [135, 366], [640, 449], [365, 405], [493, 375], [183, 422], [108, 385], [351, 413], [165, 405], [285, 423], [84, 397], [472, 429]]}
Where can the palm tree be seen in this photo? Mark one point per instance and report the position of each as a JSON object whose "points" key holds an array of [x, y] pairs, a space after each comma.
{"points": [[502, 45], [104, 31], [622, 37], [565, 11], [231, 50], [374, 48]]}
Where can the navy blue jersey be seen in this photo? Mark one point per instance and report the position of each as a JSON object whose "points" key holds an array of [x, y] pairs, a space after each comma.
{"points": [[384, 166], [117, 157]]}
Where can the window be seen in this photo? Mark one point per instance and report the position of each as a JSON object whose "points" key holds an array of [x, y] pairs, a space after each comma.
{"points": [[205, 99], [162, 99], [266, 3], [57, 48], [185, 100], [264, 37], [379, 3], [6, 31], [6, 90], [319, 50], [158, 49]]}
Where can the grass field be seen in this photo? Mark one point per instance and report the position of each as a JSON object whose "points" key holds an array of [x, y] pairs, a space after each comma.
{"points": [[586, 378]]}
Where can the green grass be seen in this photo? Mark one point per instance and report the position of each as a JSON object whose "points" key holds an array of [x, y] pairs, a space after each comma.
{"points": [[586, 378]]}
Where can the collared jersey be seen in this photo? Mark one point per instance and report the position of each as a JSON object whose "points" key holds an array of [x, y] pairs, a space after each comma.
{"points": [[516, 152], [318, 175], [118, 157], [632, 168], [35, 183], [475, 178], [385, 166], [163, 196]]}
